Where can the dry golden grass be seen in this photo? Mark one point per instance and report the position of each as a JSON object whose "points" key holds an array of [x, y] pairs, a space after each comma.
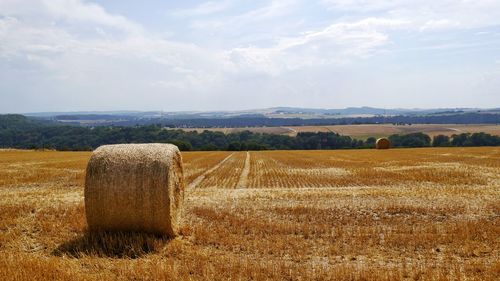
{"points": [[447, 166], [401, 214], [37, 167]]}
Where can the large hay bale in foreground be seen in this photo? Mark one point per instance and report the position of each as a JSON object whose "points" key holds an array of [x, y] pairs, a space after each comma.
{"points": [[134, 187], [382, 143]]}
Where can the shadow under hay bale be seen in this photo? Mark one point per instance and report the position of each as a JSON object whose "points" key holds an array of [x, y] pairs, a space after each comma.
{"points": [[112, 244]]}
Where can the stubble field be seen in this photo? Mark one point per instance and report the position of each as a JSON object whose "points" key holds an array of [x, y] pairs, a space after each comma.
{"points": [[399, 214]]}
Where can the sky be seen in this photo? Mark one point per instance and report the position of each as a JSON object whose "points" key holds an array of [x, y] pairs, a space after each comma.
{"points": [[78, 55]]}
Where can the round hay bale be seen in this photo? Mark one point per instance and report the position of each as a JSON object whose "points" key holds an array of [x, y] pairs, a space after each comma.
{"points": [[134, 187], [382, 143]]}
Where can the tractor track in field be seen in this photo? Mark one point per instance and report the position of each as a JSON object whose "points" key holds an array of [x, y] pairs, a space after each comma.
{"points": [[243, 181], [201, 177]]}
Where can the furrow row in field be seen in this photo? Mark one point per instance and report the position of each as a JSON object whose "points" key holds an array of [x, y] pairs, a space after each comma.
{"points": [[227, 175], [243, 181], [303, 169], [197, 163], [268, 170], [201, 177]]}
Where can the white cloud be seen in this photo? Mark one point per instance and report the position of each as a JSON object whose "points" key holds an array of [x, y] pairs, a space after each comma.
{"points": [[274, 9], [262, 15], [205, 8], [427, 14], [71, 11], [361, 5], [439, 24], [76, 10], [336, 44], [22, 35], [95, 64]]}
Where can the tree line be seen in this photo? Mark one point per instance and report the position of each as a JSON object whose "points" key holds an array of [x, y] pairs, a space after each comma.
{"points": [[17, 131]]}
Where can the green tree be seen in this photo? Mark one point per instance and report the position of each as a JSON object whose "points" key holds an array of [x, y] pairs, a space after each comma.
{"points": [[441, 140], [234, 146]]}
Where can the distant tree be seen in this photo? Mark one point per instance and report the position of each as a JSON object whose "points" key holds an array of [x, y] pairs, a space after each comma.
{"points": [[209, 147], [483, 139], [410, 140], [255, 146], [460, 140], [245, 135], [243, 147], [182, 145], [441, 140], [357, 143], [370, 141], [234, 146]]}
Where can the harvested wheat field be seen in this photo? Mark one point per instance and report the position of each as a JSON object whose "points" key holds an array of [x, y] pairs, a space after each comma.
{"points": [[398, 214]]}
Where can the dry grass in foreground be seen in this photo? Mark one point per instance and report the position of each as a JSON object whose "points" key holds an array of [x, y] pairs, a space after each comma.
{"points": [[410, 214]]}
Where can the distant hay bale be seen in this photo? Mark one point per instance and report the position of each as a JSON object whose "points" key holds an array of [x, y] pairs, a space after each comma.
{"points": [[382, 143], [134, 187]]}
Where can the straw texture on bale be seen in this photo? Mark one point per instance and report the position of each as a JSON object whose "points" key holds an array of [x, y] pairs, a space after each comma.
{"points": [[382, 143], [134, 187]]}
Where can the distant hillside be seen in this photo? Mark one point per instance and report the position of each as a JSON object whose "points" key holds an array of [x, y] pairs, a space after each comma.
{"points": [[20, 122], [278, 116], [267, 112], [257, 120], [346, 111]]}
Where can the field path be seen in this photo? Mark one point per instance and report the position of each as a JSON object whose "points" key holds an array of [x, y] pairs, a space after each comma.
{"points": [[454, 129], [243, 182], [201, 177], [292, 131]]}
